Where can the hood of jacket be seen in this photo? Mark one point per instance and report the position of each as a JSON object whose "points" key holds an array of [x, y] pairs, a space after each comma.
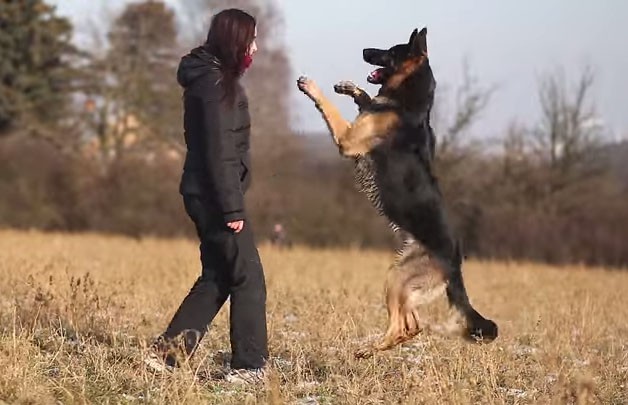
{"points": [[197, 63]]}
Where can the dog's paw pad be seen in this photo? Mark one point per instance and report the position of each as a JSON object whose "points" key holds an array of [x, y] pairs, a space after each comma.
{"points": [[345, 87]]}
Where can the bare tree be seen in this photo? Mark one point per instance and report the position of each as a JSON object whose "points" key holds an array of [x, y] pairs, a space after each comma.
{"points": [[470, 102], [132, 98], [568, 128]]}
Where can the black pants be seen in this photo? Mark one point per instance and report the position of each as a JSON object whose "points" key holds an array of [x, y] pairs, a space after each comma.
{"points": [[231, 269]]}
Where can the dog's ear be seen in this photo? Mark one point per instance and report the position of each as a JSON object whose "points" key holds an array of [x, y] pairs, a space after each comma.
{"points": [[412, 36], [418, 42]]}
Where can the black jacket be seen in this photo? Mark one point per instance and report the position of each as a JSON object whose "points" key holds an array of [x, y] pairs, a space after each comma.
{"points": [[217, 164]]}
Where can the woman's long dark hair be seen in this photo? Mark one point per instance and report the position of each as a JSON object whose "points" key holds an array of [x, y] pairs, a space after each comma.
{"points": [[230, 34]]}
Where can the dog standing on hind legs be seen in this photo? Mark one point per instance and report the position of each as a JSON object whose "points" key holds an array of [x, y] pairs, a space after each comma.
{"points": [[392, 144]]}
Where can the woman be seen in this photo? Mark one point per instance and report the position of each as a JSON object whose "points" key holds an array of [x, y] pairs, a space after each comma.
{"points": [[215, 178]]}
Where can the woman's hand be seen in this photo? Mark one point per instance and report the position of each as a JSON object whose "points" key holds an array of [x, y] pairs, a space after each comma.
{"points": [[236, 225]]}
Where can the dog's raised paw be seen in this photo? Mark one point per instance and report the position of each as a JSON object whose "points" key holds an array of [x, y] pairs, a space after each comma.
{"points": [[309, 88], [346, 87], [302, 83]]}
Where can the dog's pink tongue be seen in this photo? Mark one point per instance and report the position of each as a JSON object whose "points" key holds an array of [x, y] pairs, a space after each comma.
{"points": [[375, 74]]}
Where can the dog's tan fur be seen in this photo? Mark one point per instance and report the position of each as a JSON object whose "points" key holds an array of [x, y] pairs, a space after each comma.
{"points": [[412, 281]]}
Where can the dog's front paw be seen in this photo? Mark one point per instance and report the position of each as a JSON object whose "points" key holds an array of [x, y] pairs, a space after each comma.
{"points": [[309, 87], [303, 82], [346, 87]]}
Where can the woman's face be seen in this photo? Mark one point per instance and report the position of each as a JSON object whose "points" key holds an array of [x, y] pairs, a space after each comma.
{"points": [[253, 46]]}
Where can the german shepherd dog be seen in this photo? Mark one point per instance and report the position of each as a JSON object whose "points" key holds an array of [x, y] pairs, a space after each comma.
{"points": [[392, 144]]}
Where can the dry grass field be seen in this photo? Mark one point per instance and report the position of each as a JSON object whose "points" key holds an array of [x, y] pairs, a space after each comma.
{"points": [[77, 311]]}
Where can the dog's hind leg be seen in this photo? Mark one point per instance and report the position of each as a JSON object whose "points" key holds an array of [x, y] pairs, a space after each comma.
{"points": [[411, 282], [478, 328], [402, 324], [429, 226]]}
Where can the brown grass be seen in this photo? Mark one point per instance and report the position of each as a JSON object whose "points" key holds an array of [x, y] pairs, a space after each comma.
{"points": [[77, 312]]}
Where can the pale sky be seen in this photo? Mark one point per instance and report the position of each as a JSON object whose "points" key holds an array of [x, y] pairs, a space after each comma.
{"points": [[507, 43]]}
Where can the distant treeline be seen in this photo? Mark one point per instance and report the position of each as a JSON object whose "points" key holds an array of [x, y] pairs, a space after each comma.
{"points": [[91, 139]]}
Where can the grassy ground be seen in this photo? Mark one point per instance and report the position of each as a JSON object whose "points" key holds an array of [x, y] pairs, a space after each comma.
{"points": [[76, 313]]}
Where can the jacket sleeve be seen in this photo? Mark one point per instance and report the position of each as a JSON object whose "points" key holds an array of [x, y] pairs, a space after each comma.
{"points": [[221, 156]]}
